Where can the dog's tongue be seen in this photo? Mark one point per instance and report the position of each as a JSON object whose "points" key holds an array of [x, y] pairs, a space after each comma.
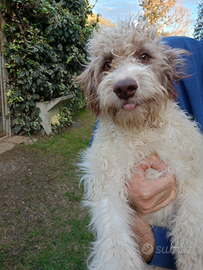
{"points": [[129, 106]]}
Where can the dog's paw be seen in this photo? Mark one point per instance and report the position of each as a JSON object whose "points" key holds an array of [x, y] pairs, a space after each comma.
{"points": [[151, 174]]}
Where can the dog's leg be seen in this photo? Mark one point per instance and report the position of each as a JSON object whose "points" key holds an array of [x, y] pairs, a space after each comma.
{"points": [[114, 247], [187, 234]]}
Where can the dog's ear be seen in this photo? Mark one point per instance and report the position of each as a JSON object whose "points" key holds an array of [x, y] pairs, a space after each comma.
{"points": [[176, 72], [87, 80]]}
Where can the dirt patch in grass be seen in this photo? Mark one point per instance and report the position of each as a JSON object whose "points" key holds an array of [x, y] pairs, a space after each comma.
{"points": [[42, 223]]}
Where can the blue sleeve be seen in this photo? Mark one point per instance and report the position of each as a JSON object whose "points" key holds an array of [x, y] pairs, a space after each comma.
{"points": [[190, 89], [95, 128], [162, 256]]}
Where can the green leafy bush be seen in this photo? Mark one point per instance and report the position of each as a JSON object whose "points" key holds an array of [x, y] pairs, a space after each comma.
{"points": [[44, 50]]}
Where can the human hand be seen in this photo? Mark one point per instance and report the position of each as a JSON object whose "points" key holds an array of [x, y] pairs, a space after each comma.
{"points": [[147, 197]]}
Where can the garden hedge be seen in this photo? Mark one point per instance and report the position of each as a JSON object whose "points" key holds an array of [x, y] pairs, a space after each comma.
{"points": [[44, 50]]}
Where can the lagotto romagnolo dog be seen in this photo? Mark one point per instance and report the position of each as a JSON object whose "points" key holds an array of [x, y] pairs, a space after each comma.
{"points": [[129, 84]]}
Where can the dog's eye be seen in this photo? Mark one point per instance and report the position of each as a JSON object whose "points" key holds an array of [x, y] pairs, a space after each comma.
{"points": [[144, 58], [107, 66]]}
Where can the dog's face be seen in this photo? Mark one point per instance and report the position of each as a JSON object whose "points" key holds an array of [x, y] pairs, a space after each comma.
{"points": [[131, 73]]}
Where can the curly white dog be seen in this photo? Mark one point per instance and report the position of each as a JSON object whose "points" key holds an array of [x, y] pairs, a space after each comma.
{"points": [[129, 86]]}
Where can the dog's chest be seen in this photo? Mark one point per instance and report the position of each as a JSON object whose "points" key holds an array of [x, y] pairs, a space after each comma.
{"points": [[123, 150], [117, 153]]}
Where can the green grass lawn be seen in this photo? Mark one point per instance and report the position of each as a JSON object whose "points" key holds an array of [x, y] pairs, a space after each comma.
{"points": [[43, 225]]}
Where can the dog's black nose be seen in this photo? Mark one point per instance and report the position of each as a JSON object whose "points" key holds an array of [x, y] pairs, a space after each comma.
{"points": [[125, 89]]}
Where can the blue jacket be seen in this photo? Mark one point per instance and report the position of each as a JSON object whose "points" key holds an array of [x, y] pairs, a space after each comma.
{"points": [[190, 91]]}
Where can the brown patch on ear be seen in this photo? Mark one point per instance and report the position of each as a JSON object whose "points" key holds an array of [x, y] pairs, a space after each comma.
{"points": [[172, 92], [87, 80], [176, 72]]}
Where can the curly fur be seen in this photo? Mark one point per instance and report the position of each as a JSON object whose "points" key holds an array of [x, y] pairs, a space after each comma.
{"points": [[125, 138]]}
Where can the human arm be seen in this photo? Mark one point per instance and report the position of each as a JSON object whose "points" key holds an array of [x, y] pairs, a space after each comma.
{"points": [[147, 197], [154, 244]]}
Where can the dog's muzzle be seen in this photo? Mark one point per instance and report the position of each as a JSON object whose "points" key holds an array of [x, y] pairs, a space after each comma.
{"points": [[125, 89]]}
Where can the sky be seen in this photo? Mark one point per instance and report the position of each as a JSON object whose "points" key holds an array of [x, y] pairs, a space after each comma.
{"points": [[112, 9]]}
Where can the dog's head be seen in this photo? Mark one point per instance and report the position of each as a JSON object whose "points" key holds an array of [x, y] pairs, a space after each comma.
{"points": [[131, 73]]}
